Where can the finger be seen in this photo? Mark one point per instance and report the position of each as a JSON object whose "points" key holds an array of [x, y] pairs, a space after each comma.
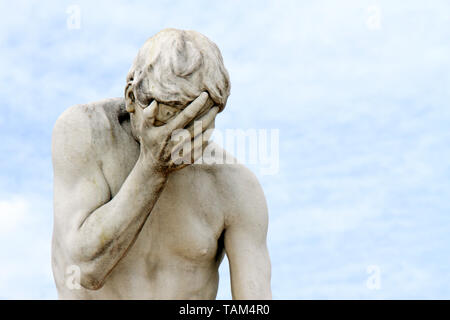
{"points": [[189, 113], [205, 121], [150, 112], [184, 140], [178, 142], [197, 151], [206, 107], [184, 161], [191, 150]]}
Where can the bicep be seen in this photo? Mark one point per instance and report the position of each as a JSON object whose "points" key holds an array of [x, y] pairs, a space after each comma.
{"points": [[246, 248], [76, 196], [249, 266]]}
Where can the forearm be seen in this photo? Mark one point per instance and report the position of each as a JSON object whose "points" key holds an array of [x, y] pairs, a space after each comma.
{"points": [[105, 235]]}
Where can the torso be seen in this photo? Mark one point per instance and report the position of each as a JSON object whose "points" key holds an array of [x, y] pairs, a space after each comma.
{"points": [[160, 265]]}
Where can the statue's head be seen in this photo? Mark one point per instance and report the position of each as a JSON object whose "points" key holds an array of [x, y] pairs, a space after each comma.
{"points": [[174, 67]]}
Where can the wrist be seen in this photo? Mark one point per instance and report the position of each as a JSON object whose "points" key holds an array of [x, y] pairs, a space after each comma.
{"points": [[151, 166]]}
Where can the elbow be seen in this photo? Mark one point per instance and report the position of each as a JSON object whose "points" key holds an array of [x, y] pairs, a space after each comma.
{"points": [[92, 276], [90, 270], [91, 282]]}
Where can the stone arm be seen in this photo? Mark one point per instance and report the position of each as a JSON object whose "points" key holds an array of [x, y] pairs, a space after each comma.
{"points": [[93, 229], [245, 243]]}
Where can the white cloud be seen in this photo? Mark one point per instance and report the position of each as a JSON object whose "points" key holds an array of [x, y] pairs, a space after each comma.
{"points": [[12, 213], [25, 234]]}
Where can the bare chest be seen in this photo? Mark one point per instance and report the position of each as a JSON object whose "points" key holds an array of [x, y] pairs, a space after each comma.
{"points": [[186, 222]]}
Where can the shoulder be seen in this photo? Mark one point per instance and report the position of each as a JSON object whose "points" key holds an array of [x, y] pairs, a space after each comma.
{"points": [[76, 127], [237, 179], [240, 193], [232, 177], [243, 199], [89, 115]]}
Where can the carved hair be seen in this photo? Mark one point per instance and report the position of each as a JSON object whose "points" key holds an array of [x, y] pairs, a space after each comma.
{"points": [[175, 66]]}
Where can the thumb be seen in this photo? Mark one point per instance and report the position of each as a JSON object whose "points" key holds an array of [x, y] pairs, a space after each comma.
{"points": [[150, 113]]}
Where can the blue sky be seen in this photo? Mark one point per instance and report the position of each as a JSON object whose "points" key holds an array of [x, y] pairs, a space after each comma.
{"points": [[362, 109]]}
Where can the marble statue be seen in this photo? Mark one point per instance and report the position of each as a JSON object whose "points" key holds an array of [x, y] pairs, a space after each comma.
{"points": [[130, 222]]}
